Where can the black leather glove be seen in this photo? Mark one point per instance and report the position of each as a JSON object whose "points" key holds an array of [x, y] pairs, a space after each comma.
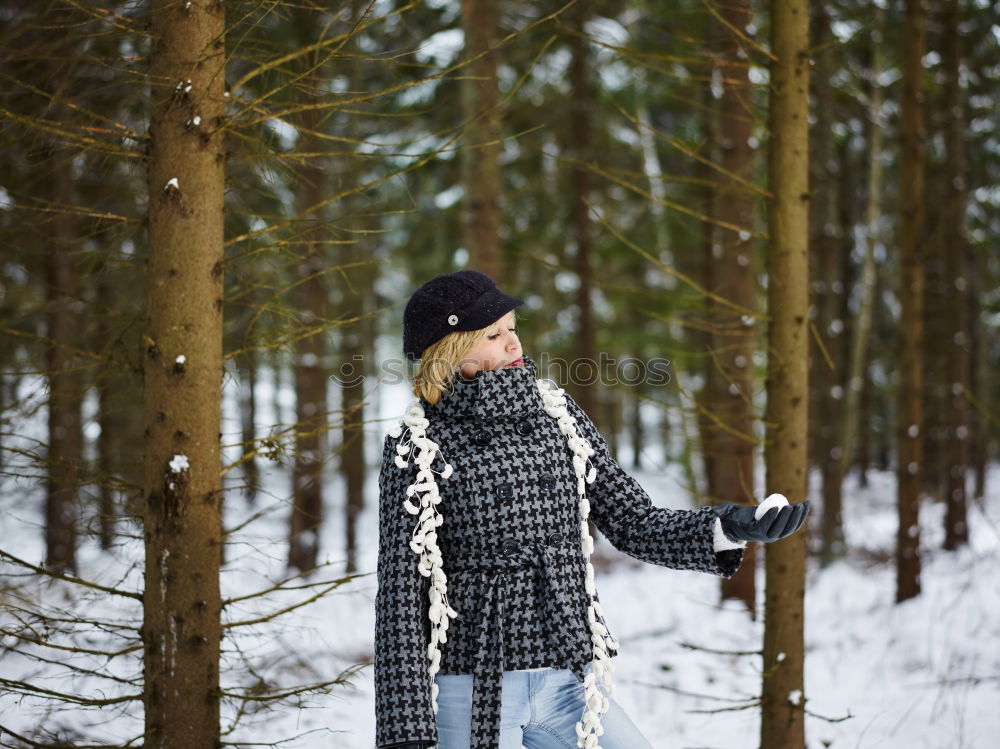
{"points": [[739, 522]]}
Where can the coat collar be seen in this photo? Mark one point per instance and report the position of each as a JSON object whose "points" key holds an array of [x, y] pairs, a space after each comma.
{"points": [[491, 394]]}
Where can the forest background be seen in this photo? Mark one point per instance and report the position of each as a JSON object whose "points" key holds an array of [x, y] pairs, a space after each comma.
{"points": [[211, 214]]}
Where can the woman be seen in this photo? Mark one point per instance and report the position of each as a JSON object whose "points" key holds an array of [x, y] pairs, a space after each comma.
{"points": [[489, 630]]}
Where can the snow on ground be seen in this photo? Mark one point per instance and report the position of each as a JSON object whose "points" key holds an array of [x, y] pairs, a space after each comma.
{"points": [[921, 675]]}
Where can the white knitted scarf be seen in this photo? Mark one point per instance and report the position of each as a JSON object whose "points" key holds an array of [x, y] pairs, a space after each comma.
{"points": [[424, 544]]}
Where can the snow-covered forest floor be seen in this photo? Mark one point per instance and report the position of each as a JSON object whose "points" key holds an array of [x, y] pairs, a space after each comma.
{"points": [[921, 675]]}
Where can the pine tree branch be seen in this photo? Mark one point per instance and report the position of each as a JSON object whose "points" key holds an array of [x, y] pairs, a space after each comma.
{"points": [[70, 578]]}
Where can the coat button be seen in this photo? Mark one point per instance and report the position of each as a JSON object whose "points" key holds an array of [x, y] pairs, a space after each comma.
{"points": [[524, 427], [505, 490], [555, 539], [548, 481], [482, 437], [509, 546]]}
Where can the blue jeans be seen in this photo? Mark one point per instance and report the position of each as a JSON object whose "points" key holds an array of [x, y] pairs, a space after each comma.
{"points": [[538, 710]]}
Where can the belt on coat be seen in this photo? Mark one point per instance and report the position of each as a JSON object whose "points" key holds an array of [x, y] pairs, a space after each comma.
{"points": [[488, 670]]}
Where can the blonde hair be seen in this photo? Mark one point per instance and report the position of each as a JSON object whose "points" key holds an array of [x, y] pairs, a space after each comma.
{"points": [[439, 363]]}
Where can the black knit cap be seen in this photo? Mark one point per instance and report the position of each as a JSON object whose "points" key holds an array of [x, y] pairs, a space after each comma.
{"points": [[463, 300]]}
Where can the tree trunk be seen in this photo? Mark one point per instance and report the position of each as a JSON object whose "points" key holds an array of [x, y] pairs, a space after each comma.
{"points": [[580, 113], [183, 376], [782, 693], [936, 351], [657, 184], [613, 411], [278, 376], [828, 292], [865, 416], [109, 384], [309, 378], [636, 429], [910, 424], [65, 390], [248, 423], [309, 368], [700, 334], [979, 369], [352, 449], [957, 339], [731, 276], [481, 155], [355, 344], [857, 377]]}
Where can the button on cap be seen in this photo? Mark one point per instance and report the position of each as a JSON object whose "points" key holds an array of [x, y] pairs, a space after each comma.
{"points": [[509, 546], [505, 490], [524, 427], [482, 437], [548, 481], [555, 538]]}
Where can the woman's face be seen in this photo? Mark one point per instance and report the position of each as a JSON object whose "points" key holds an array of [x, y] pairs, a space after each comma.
{"points": [[499, 348]]}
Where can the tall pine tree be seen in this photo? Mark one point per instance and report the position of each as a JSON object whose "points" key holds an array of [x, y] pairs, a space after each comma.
{"points": [[183, 376], [783, 714]]}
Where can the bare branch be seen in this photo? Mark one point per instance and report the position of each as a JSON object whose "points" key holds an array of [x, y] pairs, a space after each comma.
{"points": [[21, 687], [70, 578], [287, 609]]}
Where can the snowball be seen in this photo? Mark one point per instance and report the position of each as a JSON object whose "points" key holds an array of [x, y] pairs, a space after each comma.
{"points": [[795, 697], [172, 182], [180, 359], [179, 463], [775, 500]]}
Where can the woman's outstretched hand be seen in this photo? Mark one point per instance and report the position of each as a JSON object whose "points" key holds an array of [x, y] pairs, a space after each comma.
{"points": [[771, 520]]}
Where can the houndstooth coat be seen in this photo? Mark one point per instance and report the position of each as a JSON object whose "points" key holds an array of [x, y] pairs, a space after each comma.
{"points": [[511, 548]]}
